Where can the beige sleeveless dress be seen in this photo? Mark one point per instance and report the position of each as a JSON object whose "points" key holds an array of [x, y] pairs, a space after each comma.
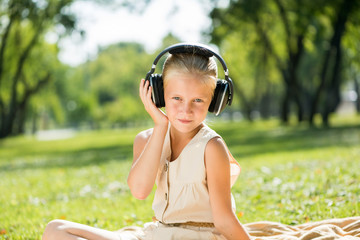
{"points": [[182, 195]]}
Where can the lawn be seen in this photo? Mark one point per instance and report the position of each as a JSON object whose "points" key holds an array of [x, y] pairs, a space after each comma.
{"points": [[292, 174]]}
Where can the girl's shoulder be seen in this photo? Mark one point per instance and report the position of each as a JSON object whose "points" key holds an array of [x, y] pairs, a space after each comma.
{"points": [[216, 145], [217, 155], [140, 141], [144, 135]]}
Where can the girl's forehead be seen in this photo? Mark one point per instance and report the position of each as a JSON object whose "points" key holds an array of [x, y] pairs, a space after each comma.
{"points": [[187, 83], [178, 78], [172, 72], [178, 75]]}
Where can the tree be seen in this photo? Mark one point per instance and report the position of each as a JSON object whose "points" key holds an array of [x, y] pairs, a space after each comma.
{"points": [[26, 23], [26, 66], [275, 37], [352, 59], [287, 31], [330, 78], [255, 83], [104, 91]]}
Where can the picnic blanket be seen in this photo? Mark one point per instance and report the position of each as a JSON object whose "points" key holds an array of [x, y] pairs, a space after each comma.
{"points": [[342, 228]]}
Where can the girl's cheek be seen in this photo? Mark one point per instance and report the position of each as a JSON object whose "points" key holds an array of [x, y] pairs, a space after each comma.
{"points": [[174, 106], [171, 108], [200, 107]]}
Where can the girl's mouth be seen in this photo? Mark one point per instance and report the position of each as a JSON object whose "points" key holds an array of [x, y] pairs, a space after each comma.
{"points": [[185, 121]]}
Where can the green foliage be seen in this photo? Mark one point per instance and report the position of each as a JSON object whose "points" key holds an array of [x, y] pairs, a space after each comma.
{"points": [[110, 83], [27, 61], [252, 71], [290, 174], [293, 48], [104, 92]]}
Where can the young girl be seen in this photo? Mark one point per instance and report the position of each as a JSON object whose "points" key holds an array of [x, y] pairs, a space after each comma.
{"points": [[188, 161]]}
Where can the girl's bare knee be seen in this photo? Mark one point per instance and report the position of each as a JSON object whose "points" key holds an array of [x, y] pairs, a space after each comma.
{"points": [[53, 229]]}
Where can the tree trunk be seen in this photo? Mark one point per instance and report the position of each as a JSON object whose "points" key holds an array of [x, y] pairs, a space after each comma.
{"points": [[7, 123], [4, 130], [295, 52], [333, 91], [266, 102], [357, 90], [285, 106], [331, 54], [20, 120]]}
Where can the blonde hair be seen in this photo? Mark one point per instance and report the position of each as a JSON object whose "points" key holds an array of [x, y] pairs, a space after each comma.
{"points": [[199, 65]]}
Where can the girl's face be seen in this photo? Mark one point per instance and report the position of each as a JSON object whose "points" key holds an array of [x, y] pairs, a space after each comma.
{"points": [[187, 100]]}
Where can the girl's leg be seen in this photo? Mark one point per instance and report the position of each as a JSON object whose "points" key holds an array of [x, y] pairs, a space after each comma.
{"points": [[61, 229]]}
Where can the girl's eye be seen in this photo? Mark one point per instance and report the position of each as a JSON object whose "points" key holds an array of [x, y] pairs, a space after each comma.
{"points": [[198, 100], [176, 98]]}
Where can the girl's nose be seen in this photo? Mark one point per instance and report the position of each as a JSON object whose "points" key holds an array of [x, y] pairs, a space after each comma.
{"points": [[187, 107]]}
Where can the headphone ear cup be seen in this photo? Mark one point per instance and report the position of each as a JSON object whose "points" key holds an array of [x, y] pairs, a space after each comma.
{"points": [[220, 98], [157, 84]]}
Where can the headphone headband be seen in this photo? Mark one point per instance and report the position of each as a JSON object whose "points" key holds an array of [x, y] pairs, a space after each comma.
{"points": [[200, 49]]}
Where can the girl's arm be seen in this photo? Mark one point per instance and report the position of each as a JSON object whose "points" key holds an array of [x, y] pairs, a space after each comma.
{"points": [[147, 148], [218, 178]]}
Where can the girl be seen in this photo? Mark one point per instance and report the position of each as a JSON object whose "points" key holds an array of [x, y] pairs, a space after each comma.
{"points": [[188, 161]]}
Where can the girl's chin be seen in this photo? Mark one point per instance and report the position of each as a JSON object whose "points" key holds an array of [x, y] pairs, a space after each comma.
{"points": [[185, 127]]}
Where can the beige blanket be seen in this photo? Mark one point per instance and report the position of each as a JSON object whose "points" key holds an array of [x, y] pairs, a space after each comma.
{"points": [[344, 228]]}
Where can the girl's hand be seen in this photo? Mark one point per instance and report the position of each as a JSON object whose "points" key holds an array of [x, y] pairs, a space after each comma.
{"points": [[156, 114]]}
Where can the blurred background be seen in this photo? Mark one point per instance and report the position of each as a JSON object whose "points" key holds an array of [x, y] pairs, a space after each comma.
{"points": [[71, 64]]}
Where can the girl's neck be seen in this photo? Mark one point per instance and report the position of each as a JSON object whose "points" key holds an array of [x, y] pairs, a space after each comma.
{"points": [[179, 140]]}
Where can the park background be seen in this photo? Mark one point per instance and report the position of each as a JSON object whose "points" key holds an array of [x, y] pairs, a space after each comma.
{"points": [[68, 118]]}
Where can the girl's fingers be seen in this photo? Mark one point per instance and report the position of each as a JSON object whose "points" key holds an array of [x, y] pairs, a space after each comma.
{"points": [[145, 92], [149, 93], [143, 89]]}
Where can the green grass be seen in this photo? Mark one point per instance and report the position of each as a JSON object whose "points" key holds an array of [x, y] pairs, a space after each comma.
{"points": [[290, 174]]}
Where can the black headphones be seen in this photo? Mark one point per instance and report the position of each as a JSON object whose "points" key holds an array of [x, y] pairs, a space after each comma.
{"points": [[224, 88]]}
